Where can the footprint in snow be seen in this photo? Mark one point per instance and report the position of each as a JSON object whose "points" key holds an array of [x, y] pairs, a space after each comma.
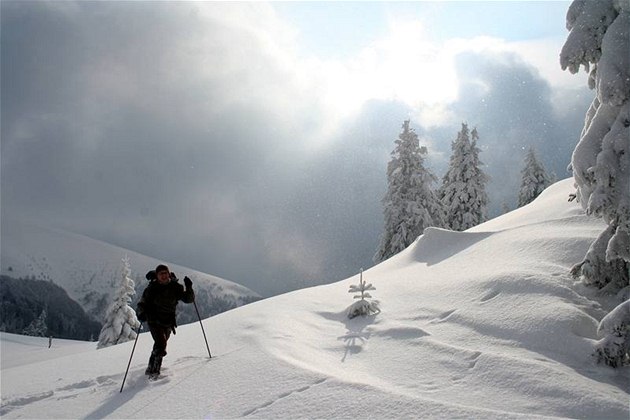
{"points": [[474, 358], [442, 317], [489, 296], [22, 401], [284, 395]]}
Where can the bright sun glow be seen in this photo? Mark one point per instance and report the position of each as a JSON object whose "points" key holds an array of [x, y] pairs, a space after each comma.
{"points": [[404, 66], [408, 65]]}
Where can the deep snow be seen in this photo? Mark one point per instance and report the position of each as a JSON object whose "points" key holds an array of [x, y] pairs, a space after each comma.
{"points": [[485, 323]]}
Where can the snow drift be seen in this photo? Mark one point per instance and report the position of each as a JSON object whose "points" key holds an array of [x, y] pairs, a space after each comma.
{"points": [[485, 323]]}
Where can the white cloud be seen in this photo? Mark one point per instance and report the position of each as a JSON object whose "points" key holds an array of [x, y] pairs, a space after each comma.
{"points": [[408, 66], [402, 66], [243, 54], [544, 54]]}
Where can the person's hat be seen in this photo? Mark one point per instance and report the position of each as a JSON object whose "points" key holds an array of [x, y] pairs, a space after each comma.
{"points": [[160, 268]]}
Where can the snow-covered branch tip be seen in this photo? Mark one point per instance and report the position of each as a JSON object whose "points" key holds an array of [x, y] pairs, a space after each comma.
{"points": [[614, 348], [363, 306]]}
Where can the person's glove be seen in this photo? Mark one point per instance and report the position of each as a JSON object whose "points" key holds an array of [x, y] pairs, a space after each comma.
{"points": [[142, 317], [188, 282], [151, 275]]}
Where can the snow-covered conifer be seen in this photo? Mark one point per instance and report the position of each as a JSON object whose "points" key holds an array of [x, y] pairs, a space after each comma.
{"points": [[479, 203], [38, 327], [614, 348], [463, 191], [599, 41], [534, 179], [363, 306], [410, 204], [120, 322]]}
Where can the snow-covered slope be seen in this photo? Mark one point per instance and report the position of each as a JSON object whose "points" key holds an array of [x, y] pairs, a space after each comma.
{"points": [[478, 324], [90, 270]]}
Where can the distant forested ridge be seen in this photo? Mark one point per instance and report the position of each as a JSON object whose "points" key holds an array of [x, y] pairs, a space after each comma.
{"points": [[22, 301]]}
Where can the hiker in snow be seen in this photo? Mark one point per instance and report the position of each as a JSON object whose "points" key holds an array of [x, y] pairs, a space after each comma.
{"points": [[157, 307]]}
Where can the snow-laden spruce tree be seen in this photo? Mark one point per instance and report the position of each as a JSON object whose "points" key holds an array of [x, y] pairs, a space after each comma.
{"points": [[463, 191], [479, 204], [534, 179], [363, 306], [599, 41], [38, 328], [121, 322], [614, 348], [410, 204]]}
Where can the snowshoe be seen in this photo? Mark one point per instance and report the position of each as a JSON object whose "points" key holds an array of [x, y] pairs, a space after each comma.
{"points": [[155, 363]]}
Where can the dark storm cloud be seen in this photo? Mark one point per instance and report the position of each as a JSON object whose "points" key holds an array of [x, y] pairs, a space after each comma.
{"points": [[176, 130], [119, 124]]}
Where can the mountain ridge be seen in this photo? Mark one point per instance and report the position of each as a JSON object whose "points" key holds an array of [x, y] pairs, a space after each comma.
{"points": [[90, 270]]}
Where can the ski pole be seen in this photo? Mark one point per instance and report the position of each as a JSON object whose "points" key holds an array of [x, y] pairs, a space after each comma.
{"points": [[130, 357], [204, 333]]}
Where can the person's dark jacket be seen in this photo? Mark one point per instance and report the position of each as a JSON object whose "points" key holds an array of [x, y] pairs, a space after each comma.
{"points": [[159, 302]]}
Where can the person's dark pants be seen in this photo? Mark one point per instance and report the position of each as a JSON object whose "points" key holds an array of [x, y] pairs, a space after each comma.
{"points": [[160, 336]]}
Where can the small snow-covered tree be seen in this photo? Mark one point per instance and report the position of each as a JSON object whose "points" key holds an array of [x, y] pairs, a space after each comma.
{"points": [[614, 348], [363, 306], [534, 179], [120, 322], [463, 191], [38, 327], [599, 41], [410, 204]]}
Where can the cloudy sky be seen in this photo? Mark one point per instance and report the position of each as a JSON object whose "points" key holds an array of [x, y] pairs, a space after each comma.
{"points": [[250, 140]]}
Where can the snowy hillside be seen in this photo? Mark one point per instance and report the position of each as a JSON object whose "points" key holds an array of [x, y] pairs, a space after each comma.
{"points": [[90, 270], [479, 324]]}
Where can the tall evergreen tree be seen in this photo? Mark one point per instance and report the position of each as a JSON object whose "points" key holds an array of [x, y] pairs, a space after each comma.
{"points": [[410, 205], [121, 321], [463, 191], [480, 179], [599, 41], [534, 179]]}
